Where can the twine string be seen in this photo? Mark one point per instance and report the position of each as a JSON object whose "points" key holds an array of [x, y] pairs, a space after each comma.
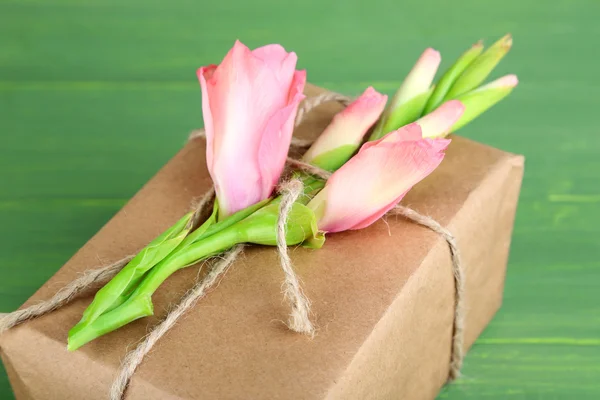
{"points": [[65, 295], [134, 358], [457, 355], [313, 102], [299, 320]]}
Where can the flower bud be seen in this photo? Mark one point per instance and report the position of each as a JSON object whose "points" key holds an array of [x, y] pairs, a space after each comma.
{"points": [[479, 100], [448, 79], [410, 99], [480, 68]]}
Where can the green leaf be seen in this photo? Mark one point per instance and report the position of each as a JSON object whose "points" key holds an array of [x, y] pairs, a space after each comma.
{"points": [[480, 68], [114, 306], [190, 238], [403, 115], [138, 308], [477, 102], [408, 112], [450, 76], [117, 290], [257, 224]]}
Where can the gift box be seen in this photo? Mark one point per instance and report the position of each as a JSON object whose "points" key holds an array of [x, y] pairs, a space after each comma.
{"points": [[382, 297]]}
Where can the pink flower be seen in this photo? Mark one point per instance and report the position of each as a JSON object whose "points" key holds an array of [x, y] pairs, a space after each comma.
{"points": [[438, 123], [411, 97], [420, 77], [376, 179], [249, 103], [345, 133]]}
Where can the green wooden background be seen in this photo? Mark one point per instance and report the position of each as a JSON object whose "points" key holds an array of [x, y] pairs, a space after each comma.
{"points": [[96, 95]]}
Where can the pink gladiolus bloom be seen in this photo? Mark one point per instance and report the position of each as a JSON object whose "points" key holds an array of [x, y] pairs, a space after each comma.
{"points": [[249, 103], [409, 100], [376, 179], [438, 122], [348, 127], [419, 78]]}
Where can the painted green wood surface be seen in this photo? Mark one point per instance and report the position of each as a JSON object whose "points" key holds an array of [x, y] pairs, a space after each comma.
{"points": [[95, 96]]}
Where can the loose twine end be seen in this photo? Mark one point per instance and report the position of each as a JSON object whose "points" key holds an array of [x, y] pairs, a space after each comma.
{"points": [[299, 320]]}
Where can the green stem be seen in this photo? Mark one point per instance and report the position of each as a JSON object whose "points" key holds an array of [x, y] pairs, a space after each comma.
{"points": [[136, 308], [312, 186], [139, 303], [126, 293], [253, 225], [206, 248], [215, 228], [115, 291], [119, 289], [208, 228]]}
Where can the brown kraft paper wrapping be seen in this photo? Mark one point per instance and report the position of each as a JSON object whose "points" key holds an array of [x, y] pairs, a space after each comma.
{"points": [[382, 297]]}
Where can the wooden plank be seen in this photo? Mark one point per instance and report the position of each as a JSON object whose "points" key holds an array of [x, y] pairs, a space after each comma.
{"points": [[96, 96]]}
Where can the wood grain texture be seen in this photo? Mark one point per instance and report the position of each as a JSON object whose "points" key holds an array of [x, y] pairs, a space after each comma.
{"points": [[95, 96]]}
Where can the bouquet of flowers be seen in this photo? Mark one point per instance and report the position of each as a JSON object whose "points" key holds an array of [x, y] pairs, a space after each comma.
{"points": [[358, 169]]}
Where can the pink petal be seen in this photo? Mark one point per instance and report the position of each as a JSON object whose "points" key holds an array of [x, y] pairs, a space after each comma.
{"points": [[408, 133], [376, 179], [272, 54], [439, 145], [279, 63], [278, 135], [419, 78], [371, 219], [204, 75], [438, 122], [247, 101], [349, 125], [230, 93]]}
